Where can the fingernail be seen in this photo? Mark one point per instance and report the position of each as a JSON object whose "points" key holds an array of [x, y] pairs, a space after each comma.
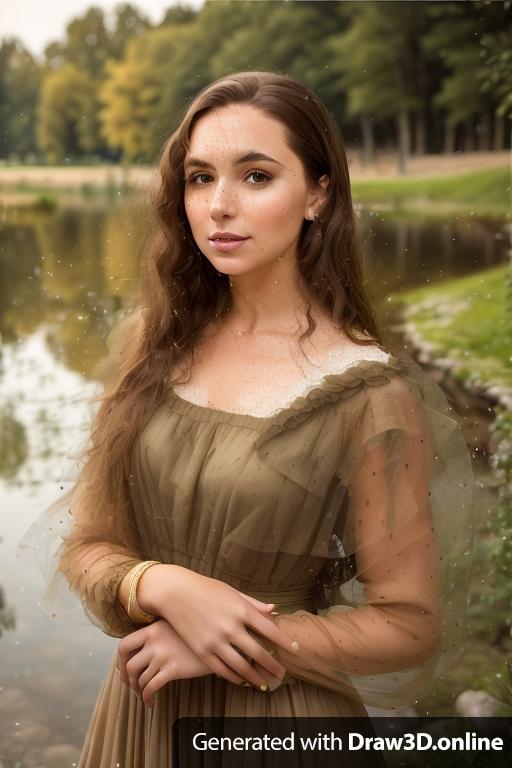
{"points": [[295, 645], [274, 613]]}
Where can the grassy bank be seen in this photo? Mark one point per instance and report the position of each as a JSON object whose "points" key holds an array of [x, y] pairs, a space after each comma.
{"points": [[469, 321], [485, 192], [466, 319]]}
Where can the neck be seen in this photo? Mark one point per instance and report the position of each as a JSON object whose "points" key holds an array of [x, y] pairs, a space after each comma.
{"points": [[267, 302]]}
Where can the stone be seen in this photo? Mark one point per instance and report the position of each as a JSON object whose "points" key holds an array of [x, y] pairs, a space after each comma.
{"points": [[476, 704]]}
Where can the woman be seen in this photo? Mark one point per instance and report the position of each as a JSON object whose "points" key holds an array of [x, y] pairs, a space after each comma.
{"points": [[275, 512]]}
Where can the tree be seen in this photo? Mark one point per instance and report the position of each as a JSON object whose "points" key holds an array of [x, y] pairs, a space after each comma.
{"points": [[380, 65], [66, 116], [19, 83], [130, 94], [470, 39], [86, 46], [129, 23], [297, 30]]}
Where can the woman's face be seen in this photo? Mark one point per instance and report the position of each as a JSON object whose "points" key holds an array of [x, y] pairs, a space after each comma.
{"points": [[263, 200]]}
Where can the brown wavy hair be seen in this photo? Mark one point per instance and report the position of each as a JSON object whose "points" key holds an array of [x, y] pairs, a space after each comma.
{"points": [[182, 293]]}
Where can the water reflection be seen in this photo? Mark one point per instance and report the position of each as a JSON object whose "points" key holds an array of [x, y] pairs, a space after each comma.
{"points": [[408, 252], [64, 275]]}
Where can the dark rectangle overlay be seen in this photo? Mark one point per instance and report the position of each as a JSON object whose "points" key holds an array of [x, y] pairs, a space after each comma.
{"points": [[342, 742]]}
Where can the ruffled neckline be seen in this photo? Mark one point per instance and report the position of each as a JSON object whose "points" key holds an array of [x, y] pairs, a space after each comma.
{"points": [[332, 387]]}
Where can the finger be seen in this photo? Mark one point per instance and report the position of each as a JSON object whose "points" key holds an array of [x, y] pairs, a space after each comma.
{"points": [[135, 667], [146, 676], [130, 644], [258, 653], [237, 661], [154, 685], [268, 628], [272, 682], [257, 603], [121, 665], [221, 669]]}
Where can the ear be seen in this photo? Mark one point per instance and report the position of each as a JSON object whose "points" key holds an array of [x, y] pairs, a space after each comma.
{"points": [[317, 198]]}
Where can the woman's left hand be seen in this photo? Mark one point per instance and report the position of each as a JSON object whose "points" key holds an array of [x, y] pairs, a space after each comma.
{"points": [[152, 656]]}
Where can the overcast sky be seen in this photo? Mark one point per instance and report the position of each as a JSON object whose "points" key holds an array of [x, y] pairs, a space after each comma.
{"points": [[39, 22]]}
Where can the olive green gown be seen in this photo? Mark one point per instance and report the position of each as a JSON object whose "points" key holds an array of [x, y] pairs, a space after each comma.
{"points": [[351, 509]]}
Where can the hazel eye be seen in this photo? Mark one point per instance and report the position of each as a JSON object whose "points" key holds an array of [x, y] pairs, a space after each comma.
{"points": [[263, 176], [260, 173], [192, 179]]}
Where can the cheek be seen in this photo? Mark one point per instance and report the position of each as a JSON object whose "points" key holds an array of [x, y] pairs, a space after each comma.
{"points": [[273, 207], [194, 203]]}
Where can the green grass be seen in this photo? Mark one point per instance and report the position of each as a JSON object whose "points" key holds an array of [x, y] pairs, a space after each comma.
{"points": [[466, 319], [487, 191]]}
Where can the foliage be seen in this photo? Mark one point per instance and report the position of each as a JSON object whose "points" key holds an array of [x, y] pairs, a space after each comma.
{"points": [[501, 524], [67, 115], [20, 79], [503, 688], [377, 58], [14, 445], [389, 69]]}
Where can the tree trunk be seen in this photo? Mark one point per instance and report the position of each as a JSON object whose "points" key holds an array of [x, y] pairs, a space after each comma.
{"points": [[484, 131], [499, 132], [403, 141], [449, 137], [420, 133], [470, 137], [368, 141]]}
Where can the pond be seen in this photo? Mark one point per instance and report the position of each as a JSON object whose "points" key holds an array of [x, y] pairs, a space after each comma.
{"points": [[64, 276]]}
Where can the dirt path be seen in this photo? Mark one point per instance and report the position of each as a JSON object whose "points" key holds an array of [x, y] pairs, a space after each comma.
{"points": [[428, 165]]}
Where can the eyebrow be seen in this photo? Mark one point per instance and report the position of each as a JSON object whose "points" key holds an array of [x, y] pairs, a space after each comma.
{"points": [[250, 156]]}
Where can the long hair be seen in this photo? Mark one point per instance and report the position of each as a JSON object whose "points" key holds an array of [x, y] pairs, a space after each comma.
{"points": [[182, 293]]}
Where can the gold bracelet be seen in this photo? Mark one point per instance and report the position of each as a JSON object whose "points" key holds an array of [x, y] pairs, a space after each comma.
{"points": [[134, 610]]}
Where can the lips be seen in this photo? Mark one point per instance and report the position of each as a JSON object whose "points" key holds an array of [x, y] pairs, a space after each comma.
{"points": [[226, 236]]}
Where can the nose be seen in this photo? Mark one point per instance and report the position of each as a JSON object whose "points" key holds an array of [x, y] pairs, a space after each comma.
{"points": [[223, 202]]}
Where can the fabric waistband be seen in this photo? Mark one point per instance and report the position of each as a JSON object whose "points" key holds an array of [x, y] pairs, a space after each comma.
{"points": [[286, 600]]}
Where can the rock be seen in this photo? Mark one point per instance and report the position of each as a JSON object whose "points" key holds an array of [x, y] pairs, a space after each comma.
{"points": [[30, 735], [57, 756], [12, 702], [476, 704]]}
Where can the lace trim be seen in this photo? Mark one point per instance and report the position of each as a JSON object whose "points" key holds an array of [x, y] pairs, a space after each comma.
{"points": [[335, 386], [372, 355]]}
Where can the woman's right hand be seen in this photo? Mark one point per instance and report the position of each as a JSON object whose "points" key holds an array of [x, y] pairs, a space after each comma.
{"points": [[212, 618]]}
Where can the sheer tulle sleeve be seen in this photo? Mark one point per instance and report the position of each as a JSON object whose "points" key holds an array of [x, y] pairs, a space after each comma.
{"points": [[83, 549], [392, 603], [91, 564]]}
